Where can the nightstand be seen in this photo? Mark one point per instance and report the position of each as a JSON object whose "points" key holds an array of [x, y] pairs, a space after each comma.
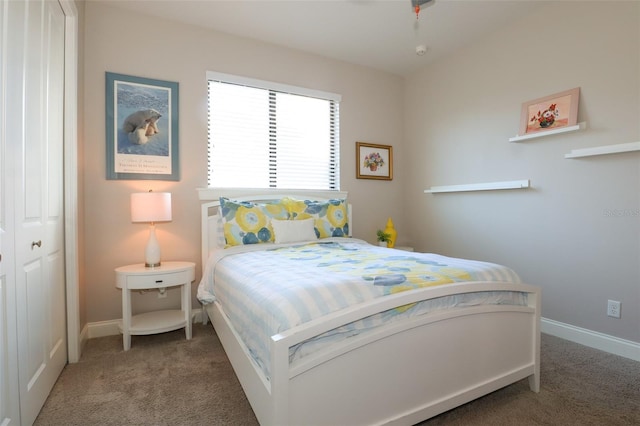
{"points": [[138, 277], [404, 248]]}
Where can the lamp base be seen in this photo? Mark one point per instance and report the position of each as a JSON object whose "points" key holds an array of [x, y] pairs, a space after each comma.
{"points": [[152, 251]]}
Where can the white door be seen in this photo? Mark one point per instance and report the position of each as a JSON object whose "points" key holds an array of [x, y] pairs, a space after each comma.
{"points": [[38, 208], [9, 402]]}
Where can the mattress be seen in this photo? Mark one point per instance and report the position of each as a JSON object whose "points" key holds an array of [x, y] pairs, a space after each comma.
{"points": [[266, 289]]}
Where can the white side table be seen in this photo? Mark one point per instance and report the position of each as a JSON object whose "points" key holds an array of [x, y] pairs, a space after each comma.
{"points": [[404, 248], [138, 277]]}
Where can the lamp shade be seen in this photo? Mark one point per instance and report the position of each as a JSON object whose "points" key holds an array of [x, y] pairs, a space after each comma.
{"points": [[151, 207]]}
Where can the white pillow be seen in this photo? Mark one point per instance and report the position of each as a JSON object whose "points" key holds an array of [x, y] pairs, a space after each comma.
{"points": [[293, 231]]}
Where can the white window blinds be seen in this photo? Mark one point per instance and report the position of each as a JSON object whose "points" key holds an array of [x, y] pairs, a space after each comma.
{"points": [[266, 135]]}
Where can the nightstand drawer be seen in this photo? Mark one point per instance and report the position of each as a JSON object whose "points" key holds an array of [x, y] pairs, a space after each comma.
{"points": [[156, 280]]}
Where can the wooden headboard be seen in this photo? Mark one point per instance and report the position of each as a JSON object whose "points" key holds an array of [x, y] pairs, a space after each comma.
{"points": [[209, 209]]}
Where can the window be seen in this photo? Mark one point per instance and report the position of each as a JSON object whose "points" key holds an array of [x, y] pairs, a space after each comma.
{"points": [[267, 135]]}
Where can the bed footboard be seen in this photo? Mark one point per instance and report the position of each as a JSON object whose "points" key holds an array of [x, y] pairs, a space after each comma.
{"points": [[417, 373], [401, 374]]}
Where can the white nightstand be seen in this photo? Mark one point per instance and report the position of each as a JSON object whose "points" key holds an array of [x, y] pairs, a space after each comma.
{"points": [[138, 277], [404, 248]]}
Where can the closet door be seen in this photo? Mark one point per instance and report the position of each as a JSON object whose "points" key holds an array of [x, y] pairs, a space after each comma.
{"points": [[9, 402], [38, 211]]}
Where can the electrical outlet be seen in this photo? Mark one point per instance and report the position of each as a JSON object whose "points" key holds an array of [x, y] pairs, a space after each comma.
{"points": [[613, 308]]}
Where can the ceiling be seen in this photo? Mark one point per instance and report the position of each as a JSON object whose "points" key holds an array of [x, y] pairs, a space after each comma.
{"points": [[381, 34]]}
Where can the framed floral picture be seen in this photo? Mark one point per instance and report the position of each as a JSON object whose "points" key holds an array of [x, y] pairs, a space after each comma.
{"points": [[374, 161], [551, 112]]}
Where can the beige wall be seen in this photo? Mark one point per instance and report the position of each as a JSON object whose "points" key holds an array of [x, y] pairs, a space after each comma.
{"points": [[576, 232], [449, 124], [116, 41]]}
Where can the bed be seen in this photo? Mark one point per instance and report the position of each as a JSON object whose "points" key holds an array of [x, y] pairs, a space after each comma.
{"points": [[401, 352]]}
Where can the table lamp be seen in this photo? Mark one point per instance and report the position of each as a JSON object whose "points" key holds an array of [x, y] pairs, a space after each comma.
{"points": [[151, 207]]}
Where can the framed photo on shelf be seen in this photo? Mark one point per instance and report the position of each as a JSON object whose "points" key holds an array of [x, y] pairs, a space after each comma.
{"points": [[550, 112], [374, 161], [141, 128]]}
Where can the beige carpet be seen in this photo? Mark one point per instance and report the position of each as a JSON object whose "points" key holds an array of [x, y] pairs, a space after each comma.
{"points": [[166, 380]]}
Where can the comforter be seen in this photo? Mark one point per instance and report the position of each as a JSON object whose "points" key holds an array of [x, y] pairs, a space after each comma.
{"points": [[266, 289]]}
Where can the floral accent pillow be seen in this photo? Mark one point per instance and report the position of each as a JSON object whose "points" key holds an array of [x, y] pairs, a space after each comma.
{"points": [[330, 217], [246, 222]]}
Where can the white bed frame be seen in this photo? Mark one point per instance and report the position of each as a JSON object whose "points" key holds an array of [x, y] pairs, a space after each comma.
{"points": [[403, 373]]}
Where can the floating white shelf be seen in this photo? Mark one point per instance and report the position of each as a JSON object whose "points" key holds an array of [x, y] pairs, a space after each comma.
{"points": [[603, 150], [490, 186], [578, 126]]}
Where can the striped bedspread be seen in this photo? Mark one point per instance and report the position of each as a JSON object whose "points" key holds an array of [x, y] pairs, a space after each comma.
{"points": [[267, 289]]}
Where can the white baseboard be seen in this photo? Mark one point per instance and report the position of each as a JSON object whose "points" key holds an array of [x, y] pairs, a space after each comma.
{"points": [[593, 339], [103, 328], [84, 337], [112, 327], [196, 315]]}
